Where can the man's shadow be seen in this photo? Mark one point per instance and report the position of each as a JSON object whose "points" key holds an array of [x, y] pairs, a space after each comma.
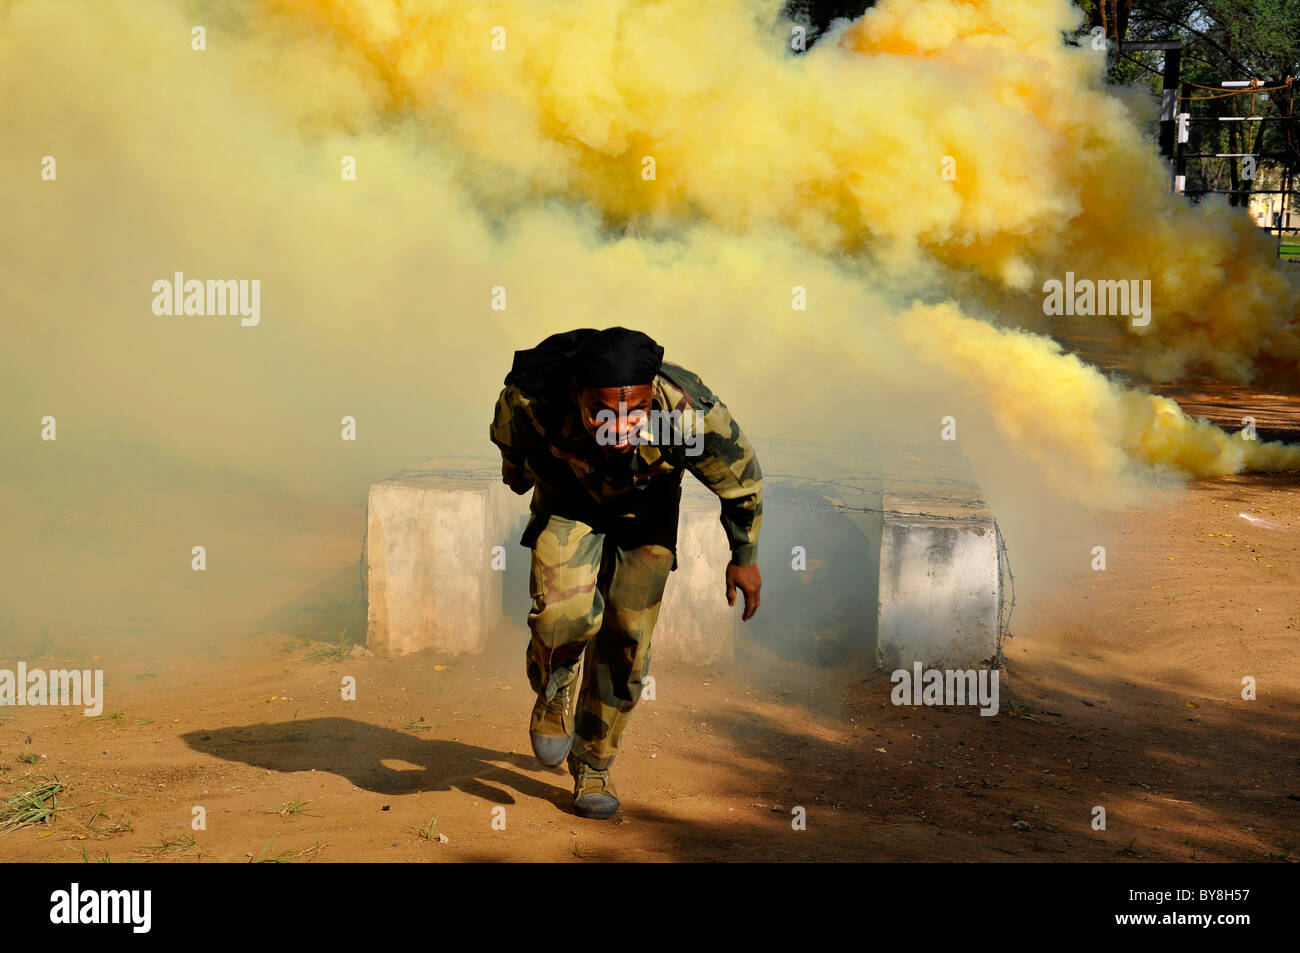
{"points": [[356, 750]]}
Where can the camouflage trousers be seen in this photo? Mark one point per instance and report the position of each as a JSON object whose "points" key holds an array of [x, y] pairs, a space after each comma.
{"points": [[595, 602]]}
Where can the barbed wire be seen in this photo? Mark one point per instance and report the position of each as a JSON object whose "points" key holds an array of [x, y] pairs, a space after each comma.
{"points": [[884, 511], [866, 487], [1219, 94], [1006, 586], [477, 473]]}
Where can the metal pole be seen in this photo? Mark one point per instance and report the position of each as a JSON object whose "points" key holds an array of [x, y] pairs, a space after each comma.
{"points": [[1180, 147], [1169, 102]]}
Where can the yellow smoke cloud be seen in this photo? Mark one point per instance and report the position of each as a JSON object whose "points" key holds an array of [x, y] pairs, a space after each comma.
{"points": [[1068, 418], [842, 147], [516, 167]]}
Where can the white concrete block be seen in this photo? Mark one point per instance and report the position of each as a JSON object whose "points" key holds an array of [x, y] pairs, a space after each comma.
{"points": [[938, 584], [430, 584], [695, 623]]}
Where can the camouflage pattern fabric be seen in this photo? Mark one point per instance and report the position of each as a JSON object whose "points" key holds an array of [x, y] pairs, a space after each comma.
{"points": [[577, 478], [603, 532], [595, 601]]}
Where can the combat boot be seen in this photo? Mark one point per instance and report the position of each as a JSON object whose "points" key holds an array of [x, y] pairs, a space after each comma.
{"points": [[551, 727], [593, 791]]}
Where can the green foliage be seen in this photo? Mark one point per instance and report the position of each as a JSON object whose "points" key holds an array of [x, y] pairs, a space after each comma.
{"points": [[1223, 40]]}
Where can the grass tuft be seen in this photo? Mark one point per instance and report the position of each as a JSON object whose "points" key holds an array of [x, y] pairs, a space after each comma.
{"points": [[313, 850], [292, 807], [87, 859], [37, 805], [169, 845], [262, 857], [333, 652]]}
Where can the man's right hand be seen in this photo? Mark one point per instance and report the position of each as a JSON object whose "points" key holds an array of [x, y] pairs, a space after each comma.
{"points": [[515, 478]]}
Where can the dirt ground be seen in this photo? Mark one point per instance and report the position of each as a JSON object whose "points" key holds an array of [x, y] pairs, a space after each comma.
{"points": [[1121, 691]]}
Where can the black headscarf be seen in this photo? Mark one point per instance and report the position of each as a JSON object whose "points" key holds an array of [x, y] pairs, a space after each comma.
{"points": [[545, 368], [614, 357], [617, 357]]}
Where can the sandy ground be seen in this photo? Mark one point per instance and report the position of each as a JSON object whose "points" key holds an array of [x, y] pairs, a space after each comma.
{"points": [[1122, 691]]}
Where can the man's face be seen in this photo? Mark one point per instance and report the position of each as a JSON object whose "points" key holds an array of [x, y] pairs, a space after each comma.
{"points": [[613, 415]]}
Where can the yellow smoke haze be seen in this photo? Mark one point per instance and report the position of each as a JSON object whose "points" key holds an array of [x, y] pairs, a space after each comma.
{"points": [[842, 147], [480, 168], [1065, 415]]}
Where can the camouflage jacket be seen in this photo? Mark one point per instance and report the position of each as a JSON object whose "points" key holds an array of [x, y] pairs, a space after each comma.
{"points": [[636, 493]]}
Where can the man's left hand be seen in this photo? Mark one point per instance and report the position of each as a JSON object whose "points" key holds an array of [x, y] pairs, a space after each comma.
{"points": [[750, 581]]}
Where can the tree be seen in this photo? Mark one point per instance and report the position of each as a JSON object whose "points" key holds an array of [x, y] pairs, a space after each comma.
{"points": [[1223, 40]]}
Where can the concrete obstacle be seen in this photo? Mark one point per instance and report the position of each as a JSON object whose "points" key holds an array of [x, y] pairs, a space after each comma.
{"points": [[939, 582], [429, 552], [695, 623], [431, 584], [895, 564]]}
